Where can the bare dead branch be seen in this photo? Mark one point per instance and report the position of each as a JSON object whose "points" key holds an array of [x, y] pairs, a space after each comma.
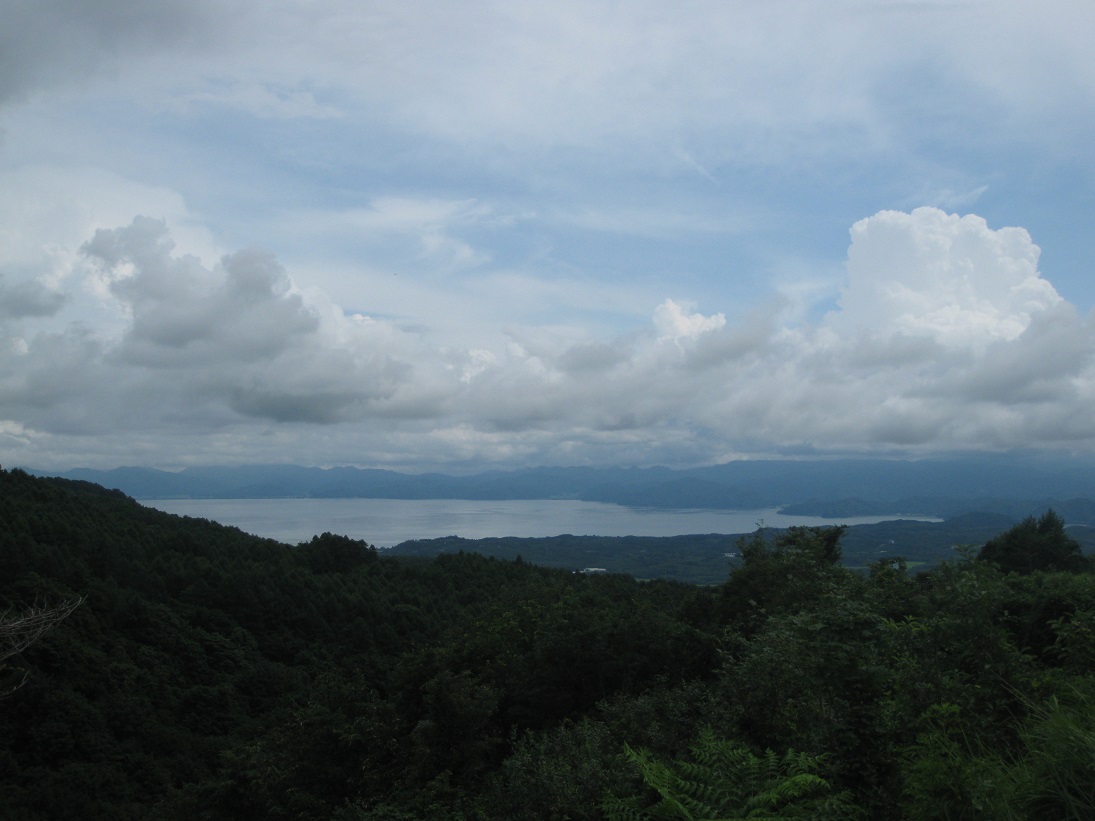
{"points": [[19, 629]]}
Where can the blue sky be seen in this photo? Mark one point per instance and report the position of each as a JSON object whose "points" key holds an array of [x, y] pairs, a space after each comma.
{"points": [[453, 235]]}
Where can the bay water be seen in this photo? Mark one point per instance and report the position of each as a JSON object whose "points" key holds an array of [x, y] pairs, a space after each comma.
{"points": [[387, 522]]}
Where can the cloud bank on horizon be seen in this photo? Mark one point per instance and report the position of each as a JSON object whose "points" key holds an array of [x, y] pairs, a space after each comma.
{"points": [[421, 235]]}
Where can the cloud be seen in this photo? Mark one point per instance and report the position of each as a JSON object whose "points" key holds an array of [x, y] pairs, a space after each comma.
{"points": [[695, 88], [542, 231], [945, 337], [262, 100], [672, 323], [205, 348], [183, 315], [426, 230], [950, 198], [710, 83], [941, 276], [47, 213], [28, 298], [54, 42], [648, 222]]}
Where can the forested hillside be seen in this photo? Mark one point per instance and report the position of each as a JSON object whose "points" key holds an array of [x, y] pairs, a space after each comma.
{"points": [[210, 674], [707, 558]]}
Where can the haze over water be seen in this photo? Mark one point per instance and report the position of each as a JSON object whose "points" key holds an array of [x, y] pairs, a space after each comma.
{"points": [[387, 522]]}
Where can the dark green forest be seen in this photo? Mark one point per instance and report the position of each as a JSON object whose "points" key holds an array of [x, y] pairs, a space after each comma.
{"points": [[201, 672], [706, 558]]}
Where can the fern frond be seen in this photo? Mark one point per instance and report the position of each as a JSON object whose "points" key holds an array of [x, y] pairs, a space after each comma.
{"points": [[725, 781], [623, 809]]}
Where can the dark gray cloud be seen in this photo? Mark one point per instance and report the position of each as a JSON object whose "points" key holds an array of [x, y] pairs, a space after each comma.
{"points": [[51, 42], [28, 298], [183, 315], [594, 357], [314, 407]]}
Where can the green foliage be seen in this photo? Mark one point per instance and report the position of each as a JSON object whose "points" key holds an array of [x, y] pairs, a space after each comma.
{"points": [[956, 647], [1074, 644], [725, 780], [704, 559], [329, 553], [560, 773], [1035, 544], [819, 680], [222, 675], [696, 559], [19, 629], [784, 574], [212, 674], [949, 776], [1055, 776], [1049, 774]]}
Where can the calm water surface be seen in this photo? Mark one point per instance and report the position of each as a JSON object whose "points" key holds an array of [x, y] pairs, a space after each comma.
{"points": [[387, 522]]}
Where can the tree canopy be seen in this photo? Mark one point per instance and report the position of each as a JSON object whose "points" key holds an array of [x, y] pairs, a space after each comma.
{"points": [[1034, 544], [211, 674]]}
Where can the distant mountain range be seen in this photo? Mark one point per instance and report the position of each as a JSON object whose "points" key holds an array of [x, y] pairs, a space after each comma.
{"points": [[1007, 484]]}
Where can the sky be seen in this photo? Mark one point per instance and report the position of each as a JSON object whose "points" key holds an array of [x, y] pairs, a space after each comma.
{"points": [[450, 236]]}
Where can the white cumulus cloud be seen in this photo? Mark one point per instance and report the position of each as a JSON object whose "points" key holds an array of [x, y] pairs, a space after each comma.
{"points": [[672, 322], [946, 336], [949, 278]]}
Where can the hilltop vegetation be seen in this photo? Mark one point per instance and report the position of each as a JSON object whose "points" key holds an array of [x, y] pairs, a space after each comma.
{"points": [[212, 674], [707, 558]]}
